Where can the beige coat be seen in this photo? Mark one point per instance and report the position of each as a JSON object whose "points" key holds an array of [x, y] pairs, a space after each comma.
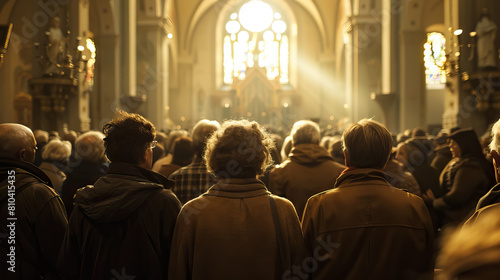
{"points": [[228, 233]]}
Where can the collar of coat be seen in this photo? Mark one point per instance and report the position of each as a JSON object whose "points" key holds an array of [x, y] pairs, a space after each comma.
{"points": [[238, 188], [27, 167], [353, 175], [122, 168], [308, 154]]}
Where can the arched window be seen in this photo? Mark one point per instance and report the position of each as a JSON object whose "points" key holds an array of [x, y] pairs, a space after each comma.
{"points": [[256, 35], [435, 58]]}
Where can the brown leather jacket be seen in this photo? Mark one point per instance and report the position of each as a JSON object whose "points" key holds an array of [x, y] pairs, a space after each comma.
{"points": [[367, 229]]}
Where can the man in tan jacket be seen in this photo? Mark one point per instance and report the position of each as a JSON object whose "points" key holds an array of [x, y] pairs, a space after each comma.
{"points": [[309, 170], [379, 232]]}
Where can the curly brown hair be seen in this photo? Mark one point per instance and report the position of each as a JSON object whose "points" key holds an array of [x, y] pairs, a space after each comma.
{"points": [[128, 136], [240, 149]]}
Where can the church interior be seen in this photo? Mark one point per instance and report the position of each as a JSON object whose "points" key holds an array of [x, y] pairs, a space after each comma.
{"points": [[69, 64]]}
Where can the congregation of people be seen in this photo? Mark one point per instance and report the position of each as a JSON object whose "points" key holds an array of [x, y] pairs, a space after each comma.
{"points": [[240, 201]]}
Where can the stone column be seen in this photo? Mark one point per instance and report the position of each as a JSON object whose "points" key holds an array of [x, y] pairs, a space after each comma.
{"points": [[129, 50], [390, 68], [152, 69], [107, 94], [366, 65], [412, 76], [183, 104], [78, 107]]}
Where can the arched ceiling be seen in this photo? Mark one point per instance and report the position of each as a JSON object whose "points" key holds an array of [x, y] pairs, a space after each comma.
{"points": [[6, 10], [205, 5], [105, 15], [104, 9]]}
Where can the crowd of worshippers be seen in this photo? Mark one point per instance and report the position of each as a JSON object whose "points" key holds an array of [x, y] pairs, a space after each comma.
{"points": [[234, 201]]}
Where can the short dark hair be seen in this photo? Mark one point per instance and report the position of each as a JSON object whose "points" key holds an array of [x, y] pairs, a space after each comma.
{"points": [[367, 143], [240, 149], [128, 136], [183, 151]]}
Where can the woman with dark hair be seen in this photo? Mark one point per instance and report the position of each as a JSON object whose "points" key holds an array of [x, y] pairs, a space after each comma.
{"points": [[182, 155], [464, 180], [237, 229]]}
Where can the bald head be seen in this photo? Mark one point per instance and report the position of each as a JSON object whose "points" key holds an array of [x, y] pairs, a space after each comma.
{"points": [[17, 142]]}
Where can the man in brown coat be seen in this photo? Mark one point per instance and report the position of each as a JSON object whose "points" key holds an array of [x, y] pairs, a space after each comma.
{"points": [[309, 170], [376, 231]]}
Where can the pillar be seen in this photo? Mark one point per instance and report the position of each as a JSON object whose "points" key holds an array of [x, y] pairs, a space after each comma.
{"points": [[152, 69], [412, 89], [79, 26]]}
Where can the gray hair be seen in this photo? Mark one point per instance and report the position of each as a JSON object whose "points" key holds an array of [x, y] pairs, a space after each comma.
{"points": [[90, 146], [57, 150], [201, 132], [41, 136], [305, 132], [495, 137]]}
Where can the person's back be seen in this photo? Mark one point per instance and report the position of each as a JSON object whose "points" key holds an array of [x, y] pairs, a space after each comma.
{"points": [[122, 226], [231, 232], [182, 155], [400, 178], [376, 231], [192, 180], [414, 155], [365, 228], [32, 214], [123, 221], [309, 169], [89, 167]]}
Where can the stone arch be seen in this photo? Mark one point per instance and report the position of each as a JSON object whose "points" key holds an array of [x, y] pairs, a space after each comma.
{"points": [[313, 11], [6, 11], [152, 8], [103, 13], [222, 6]]}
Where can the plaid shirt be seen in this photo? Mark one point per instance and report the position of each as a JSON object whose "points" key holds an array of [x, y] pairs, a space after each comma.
{"points": [[191, 181]]}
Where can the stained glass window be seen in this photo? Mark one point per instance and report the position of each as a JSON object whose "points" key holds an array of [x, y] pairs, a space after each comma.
{"points": [[256, 35], [434, 59]]}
